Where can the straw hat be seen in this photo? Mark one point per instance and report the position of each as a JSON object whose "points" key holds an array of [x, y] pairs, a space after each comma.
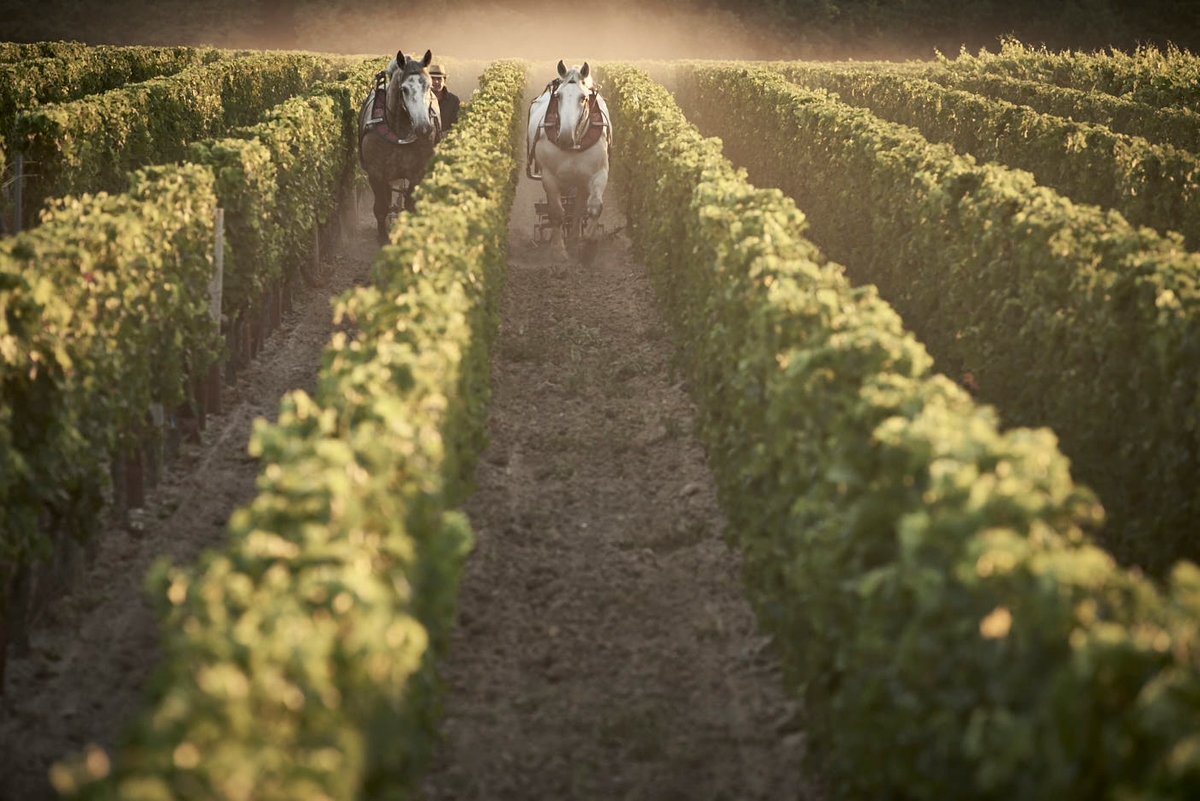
{"points": [[437, 69]]}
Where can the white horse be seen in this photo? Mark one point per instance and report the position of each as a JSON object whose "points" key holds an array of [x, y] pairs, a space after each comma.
{"points": [[570, 134]]}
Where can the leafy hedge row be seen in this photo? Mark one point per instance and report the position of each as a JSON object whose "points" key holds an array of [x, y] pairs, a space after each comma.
{"points": [[279, 178], [1065, 315], [15, 51], [45, 79], [299, 660], [31, 81], [1148, 184], [89, 145], [1179, 127], [1147, 75], [106, 312], [106, 316], [938, 605], [77, 71]]}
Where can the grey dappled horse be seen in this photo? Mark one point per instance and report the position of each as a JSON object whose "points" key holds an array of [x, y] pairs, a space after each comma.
{"points": [[397, 132]]}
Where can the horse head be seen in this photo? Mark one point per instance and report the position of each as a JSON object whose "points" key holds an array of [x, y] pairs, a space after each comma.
{"points": [[410, 95], [574, 92]]}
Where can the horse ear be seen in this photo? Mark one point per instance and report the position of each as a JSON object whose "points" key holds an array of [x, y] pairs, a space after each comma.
{"points": [[583, 71], [562, 69], [425, 62], [400, 58]]}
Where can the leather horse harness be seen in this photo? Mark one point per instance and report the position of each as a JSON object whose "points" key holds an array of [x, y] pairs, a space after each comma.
{"points": [[378, 121], [598, 125]]}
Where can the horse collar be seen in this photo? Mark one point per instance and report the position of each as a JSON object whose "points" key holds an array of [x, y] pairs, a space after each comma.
{"points": [[597, 124], [379, 121], [551, 119], [379, 114]]}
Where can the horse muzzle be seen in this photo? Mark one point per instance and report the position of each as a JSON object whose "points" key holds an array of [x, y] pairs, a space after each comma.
{"points": [[577, 133]]}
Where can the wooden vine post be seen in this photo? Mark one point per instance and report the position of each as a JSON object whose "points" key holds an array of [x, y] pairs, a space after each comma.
{"points": [[215, 285]]}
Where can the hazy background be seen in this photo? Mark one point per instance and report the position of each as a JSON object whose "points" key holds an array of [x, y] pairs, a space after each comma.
{"points": [[624, 29]]}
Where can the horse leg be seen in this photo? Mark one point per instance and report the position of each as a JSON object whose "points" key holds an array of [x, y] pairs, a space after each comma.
{"points": [[595, 206], [383, 204], [589, 212], [554, 208]]}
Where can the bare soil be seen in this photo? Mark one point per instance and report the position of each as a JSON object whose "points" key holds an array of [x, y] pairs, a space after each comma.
{"points": [[604, 647]]}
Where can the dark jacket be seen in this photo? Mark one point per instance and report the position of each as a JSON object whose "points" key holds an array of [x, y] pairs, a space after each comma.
{"points": [[448, 105]]}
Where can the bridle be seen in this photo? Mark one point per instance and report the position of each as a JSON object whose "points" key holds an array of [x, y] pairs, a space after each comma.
{"points": [[550, 122], [412, 136]]}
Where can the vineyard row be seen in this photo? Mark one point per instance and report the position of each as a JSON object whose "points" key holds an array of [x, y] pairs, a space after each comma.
{"points": [[931, 579]]}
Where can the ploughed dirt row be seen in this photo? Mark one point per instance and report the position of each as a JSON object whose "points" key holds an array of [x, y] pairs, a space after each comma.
{"points": [[92, 651], [604, 647]]}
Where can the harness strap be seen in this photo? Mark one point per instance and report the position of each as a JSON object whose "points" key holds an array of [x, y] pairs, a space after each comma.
{"points": [[378, 124], [599, 126]]}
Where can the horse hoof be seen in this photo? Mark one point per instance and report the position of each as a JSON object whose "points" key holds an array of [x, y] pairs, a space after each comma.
{"points": [[587, 251]]}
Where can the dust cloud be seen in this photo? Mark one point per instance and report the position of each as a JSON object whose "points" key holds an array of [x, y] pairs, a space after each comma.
{"points": [[572, 31], [470, 30], [476, 30]]}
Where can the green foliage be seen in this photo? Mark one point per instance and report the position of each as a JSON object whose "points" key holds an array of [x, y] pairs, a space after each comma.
{"points": [[91, 144], [106, 312], [246, 187], [105, 293], [279, 179], [1064, 315], [299, 661], [19, 51], [311, 157], [1147, 74], [30, 81], [1179, 127], [929, 579], [1148, 184]]}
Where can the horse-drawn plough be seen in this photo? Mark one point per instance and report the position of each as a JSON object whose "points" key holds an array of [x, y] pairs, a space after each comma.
{"points": [[572, 224], [569, 133]]}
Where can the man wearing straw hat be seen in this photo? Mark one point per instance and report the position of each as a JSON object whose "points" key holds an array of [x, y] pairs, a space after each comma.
{"points": [[447, 100]]}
